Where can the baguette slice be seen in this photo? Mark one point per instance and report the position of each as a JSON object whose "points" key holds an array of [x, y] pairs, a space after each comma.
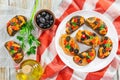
{"points": [[105, 47], [85, 57], [98, 25], [88, 38], [15, 51], [15, 24], [68, 44], [74, 23]]}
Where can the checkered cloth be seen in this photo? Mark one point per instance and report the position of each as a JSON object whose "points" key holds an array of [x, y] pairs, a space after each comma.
{"points": [[54, 67]]}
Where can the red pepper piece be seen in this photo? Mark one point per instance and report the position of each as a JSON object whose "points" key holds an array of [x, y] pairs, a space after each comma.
{"points": [[68, 24], [75, 20], [76, 59], [88, 60], [8, 24], [91, 54], [83, 36], [65, 42], [105, 41]]}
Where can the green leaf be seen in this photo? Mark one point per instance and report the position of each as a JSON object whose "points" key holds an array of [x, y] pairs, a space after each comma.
{"points": [[88, 56], [23, 45], [67, 46], [107, 45], [31, 50], [12, 52], [37, 42], [74, 24], [20, 38], [91, 37], [23, 31]]}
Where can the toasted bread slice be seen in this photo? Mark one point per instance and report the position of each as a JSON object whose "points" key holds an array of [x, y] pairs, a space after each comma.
{"points": [[85, 57], [74, 23], [98, 25], [15, 51], [105, 47], [88, 38], [68, 44], [15, 24]]}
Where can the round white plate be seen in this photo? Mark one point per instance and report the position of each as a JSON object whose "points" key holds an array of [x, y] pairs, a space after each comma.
{"points": [[97, 63]]}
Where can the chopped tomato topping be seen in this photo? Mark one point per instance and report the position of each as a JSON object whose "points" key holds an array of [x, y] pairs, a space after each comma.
{"points": [[8, 24], [10, 43], [88, 60], [75, 20], [76, 59], [65, 42], [16, 48], [15, 27], [68, 24], [91, 54], [83, 36], [105, 41]]}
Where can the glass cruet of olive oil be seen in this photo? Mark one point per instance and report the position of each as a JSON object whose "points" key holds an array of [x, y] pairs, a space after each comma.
{"points": [[29, 70]]}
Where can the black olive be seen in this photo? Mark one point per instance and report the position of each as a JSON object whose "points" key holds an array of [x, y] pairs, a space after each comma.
{"points": [[81, 56], [83, 32], [76, 51], [51, 22], [41, 25], [80, 61], [103, 50], [43, 14], [95, 22], [70, 29], [104, 46], [48, 26], [38, 16], [71, 49], [106, 38], [82, 39], [94, 34], [47, 17], [68, 38], [42, 20], [88, 37], [38, 21], [12, 47], [51, 17]]}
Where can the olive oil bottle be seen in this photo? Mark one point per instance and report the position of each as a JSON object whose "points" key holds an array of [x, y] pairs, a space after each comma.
{"points": [[29, 70]]}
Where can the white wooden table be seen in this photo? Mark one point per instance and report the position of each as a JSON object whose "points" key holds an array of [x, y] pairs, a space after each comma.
{"points": [[28, 4]]}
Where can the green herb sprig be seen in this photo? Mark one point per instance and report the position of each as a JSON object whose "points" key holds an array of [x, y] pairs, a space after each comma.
{"points": [[27, 36]]}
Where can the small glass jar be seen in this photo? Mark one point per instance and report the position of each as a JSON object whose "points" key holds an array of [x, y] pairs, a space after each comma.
{"points": [[29, 70]]}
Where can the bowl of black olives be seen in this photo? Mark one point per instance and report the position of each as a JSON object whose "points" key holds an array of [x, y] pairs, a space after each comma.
{"points": [[44, 19]]}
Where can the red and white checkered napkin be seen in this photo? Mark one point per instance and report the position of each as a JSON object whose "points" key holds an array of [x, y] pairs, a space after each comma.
{"points": [[55, 69]]}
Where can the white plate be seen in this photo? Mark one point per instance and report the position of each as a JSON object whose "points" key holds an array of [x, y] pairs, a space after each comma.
{"points": [[97, 63]]}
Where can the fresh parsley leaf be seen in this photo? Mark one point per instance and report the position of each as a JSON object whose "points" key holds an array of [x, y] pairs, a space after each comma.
{"points": [[31, 50], [20, 38], [27, 36]]}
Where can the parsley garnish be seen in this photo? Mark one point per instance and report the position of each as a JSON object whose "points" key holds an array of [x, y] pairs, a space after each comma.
{"points": [[27, 36]]}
